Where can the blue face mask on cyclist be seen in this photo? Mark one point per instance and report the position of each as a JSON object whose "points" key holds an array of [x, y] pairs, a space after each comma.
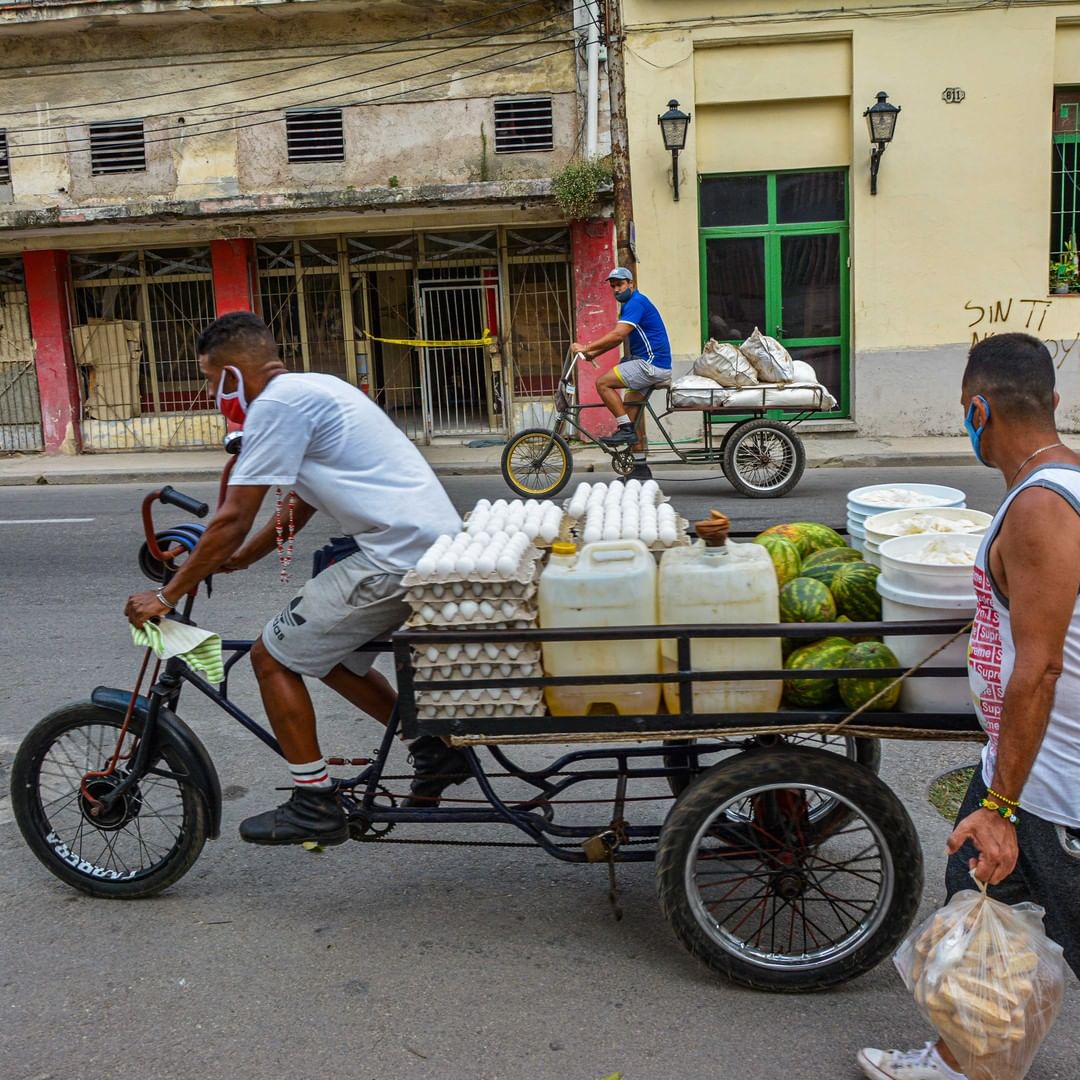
{"points": [[622, 295], [975, 434]]}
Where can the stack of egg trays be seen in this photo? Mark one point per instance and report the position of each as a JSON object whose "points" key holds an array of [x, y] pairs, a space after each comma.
{"points": [[565, 534], [472, 661], [571, 527]]}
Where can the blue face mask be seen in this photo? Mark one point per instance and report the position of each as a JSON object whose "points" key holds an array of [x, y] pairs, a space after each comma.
{"points": [[975, 433], [622, 295]]}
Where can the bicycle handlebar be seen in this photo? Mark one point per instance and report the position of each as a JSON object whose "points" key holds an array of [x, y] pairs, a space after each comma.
{"points": [[184, 502]]}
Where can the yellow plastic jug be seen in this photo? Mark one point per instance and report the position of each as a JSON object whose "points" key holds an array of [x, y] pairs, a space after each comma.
{"points": [[729, 583], [609, 583]]}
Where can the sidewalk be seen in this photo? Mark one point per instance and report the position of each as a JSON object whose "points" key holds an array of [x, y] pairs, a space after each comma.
{"points": [[822, 451]]}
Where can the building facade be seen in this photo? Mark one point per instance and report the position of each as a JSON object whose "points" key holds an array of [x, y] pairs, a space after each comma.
{"points": [[776, 226], [374, 179]]}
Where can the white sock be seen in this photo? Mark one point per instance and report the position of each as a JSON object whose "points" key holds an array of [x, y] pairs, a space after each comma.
{"points": [[311, 776], [625, 421], [640, 457]]}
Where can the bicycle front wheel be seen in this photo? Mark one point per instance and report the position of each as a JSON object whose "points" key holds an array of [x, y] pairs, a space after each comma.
{"points": [[536, 463], [147, 840]]}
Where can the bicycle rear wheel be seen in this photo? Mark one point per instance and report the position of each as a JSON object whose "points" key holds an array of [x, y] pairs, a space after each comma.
{"points": [[536, 463], [145, 842]]}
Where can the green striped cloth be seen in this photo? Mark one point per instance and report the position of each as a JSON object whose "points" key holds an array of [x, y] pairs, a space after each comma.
{"points": [[199, 649]]}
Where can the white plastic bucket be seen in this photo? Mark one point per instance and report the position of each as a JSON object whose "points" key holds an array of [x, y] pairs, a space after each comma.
{"points": [[881, 527], [936, 495], [917, 694], [856, 533], [903, 568]]}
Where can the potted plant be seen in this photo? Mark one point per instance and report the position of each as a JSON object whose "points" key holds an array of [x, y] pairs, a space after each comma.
{"points": [[1065, 272]]}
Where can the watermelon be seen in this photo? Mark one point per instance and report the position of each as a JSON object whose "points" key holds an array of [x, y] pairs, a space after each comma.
{"points": [[806, 600], [831, 555], [784, 555], [830, 652], [807, 536], [823, 572], [854, 587], [788, 532], [856, 692]]}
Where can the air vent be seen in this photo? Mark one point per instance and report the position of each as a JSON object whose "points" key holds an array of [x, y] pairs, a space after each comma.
{"points": [[118, 146], [315, 135], [523, 125], [5, 164]]}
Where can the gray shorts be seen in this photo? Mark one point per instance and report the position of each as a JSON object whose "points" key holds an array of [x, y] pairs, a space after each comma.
{"points": [[346, 606], [1045, 874], [638, 374]]}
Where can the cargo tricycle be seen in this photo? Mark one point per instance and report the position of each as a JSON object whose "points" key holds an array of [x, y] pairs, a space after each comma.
{"points": [[782, 861]]}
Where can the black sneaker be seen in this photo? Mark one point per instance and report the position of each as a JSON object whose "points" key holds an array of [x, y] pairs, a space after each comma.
{"points": [[625, 435], [641, 471], [436, 766], [308, 816]]}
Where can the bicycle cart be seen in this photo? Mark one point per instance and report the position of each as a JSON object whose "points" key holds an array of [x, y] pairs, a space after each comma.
{"points": [[782, 861], [750, 433]]}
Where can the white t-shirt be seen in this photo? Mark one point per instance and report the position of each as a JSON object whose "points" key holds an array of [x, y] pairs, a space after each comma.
{"points": [[1052, 791], [322, 438]]}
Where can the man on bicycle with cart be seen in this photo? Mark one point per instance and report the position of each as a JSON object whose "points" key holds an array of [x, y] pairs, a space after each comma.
{"points": [[647, 364], [326, 446]]}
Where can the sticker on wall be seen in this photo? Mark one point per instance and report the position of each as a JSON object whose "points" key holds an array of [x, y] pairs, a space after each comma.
{"points": [[952, 95]]}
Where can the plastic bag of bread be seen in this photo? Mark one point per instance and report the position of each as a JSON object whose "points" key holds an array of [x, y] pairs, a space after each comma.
{"points": [[988, 978], [771, 360], [724, 364]]}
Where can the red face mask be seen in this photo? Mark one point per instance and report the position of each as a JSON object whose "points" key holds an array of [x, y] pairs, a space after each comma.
{"points": [[233, 405]]}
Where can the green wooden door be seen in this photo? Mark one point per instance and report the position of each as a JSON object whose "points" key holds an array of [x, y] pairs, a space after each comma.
{"points": [[774, 254]]}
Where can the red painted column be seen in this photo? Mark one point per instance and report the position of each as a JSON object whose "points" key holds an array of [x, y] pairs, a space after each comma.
{"points": [[48, 290], [593, 254], [233, 265]]}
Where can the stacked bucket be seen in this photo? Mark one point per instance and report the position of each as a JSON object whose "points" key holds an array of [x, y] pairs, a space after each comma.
{"points": [[865, 502]]}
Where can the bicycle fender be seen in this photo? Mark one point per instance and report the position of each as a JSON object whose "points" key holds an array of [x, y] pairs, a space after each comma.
{"points": [[203, 773]]}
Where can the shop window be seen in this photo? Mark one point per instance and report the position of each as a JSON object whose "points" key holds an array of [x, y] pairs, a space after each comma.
{"points": [[1065, 196], [524, 125], [5, 163], [315, 135], [117, 146]]}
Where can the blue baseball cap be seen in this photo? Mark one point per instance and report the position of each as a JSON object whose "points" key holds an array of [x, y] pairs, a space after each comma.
{"points": [[620, 273]]}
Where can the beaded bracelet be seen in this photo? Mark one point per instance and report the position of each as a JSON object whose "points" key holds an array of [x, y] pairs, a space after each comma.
{"points": [[1002, 811], [1001, 798]]}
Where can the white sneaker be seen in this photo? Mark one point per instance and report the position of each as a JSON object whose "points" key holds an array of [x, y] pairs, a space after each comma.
{"points": [[924, 1064]]}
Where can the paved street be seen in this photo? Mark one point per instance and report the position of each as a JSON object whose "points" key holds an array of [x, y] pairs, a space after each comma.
{"points": [[405, 962]]}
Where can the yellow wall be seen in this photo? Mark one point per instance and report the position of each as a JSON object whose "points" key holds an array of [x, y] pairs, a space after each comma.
{"points": [[962, 216]]}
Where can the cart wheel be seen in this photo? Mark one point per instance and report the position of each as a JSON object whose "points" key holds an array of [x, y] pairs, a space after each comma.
{"points": [[623, 462], [536, 463], [763, 459], [682, 755], [777, 905]]}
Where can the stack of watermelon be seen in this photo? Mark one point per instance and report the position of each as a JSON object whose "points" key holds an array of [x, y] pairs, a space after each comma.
{"points": [[821, 579]]}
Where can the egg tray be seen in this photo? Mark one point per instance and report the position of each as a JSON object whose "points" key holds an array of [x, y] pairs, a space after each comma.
{"points": [[492, 591], [524, 696], [486, 709], [489, 653], [478, 670], [526, 620], [525, 572], [538, 541], [682, 536]]}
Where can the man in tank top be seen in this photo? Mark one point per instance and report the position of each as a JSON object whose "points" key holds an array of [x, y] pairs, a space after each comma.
{"points": [[1019, 825]]}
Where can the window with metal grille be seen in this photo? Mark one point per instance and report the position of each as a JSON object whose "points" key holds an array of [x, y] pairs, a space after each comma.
{"points": [[1065, 190], [117, 146], [315, 135], [523, 125], [5, 164]]}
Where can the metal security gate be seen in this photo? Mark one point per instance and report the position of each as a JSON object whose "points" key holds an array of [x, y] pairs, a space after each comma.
{"points": [[137, 316], [20, 408], [460, 392]]}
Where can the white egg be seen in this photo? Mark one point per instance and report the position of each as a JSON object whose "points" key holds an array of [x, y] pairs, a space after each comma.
{"points": [[549, 531], [487, 609], [465, 565], [484, 671], [457, 589], [534, 509], [444, 541], [491, 651], [479, 588], [496, 523], [593, 533], [499, 506], [485, 564], [437, 590], [666, 533], [445, 565], [506, 566], [629, 529], [426, 566], [508, 609], [453, 652], [427, 613], [456, 695], [583, 488], [472, 650], [633, 487], [611, 530], [517, 692], [482, 504], [449, 611], [432, 653], [599, 490], [576, 508], [530, 529], [482, 538], [513, 651], [648, 533], [468, 609]]}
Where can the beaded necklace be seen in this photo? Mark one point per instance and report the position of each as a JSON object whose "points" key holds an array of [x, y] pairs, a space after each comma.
{"points": [[284, 544]]}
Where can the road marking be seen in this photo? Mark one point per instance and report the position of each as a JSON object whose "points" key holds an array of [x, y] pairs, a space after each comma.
{"points": [[42, 521]]}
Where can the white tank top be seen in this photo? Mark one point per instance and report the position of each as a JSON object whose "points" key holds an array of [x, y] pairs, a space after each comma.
{"points": [[1052, 790]]}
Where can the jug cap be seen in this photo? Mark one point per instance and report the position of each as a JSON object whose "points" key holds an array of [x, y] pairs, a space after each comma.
{"points": [[714, 529], [563, 547]]}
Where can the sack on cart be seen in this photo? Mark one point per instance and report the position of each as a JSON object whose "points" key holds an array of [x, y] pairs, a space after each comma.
{"points": [[697, 392], [988, 978], [724, 364], [771, 361]]}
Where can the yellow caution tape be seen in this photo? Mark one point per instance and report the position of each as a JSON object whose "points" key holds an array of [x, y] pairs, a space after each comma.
{"points": [[487, 339]]}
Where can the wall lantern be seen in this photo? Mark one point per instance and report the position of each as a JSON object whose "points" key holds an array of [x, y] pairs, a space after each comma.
{"points": [[673, 125], [881, 120]]}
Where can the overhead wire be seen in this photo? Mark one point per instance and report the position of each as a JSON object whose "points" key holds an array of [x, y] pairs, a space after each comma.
{"points": [[83, 142], [281, 92]]}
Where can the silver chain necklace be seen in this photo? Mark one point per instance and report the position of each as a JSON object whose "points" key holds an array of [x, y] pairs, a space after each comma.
{"points": [[1033, 454]]}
